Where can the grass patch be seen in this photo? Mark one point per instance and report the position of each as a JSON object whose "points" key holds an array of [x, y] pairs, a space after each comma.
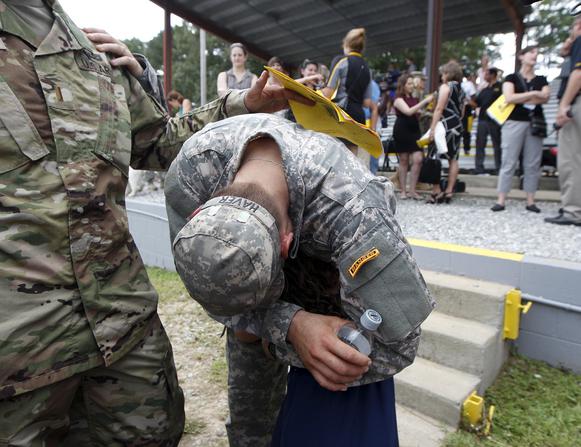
{"points": [[194, 427], [219, 372], [536, 406], [168, 284]]}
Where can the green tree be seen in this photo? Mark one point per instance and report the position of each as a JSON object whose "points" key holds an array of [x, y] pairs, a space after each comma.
{"points": [[548, 26]]}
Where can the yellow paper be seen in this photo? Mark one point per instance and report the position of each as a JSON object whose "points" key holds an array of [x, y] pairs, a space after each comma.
{"points": [[500, 110], [327, 117]]}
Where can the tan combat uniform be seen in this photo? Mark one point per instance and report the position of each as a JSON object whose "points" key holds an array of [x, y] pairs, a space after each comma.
{"points": [[79, 326]]}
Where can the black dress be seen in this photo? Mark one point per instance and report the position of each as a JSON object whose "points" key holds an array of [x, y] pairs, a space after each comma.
{"points": [[406, 130]]}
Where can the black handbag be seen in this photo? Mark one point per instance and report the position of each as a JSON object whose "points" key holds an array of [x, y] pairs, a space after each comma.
{"points": [[538, 125], [431, 171]]}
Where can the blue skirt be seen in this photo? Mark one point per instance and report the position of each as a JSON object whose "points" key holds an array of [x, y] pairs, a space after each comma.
{"points": [[362, 416]]}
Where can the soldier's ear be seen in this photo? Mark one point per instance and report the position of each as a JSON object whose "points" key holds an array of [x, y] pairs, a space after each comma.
{"points": [[286, 239]]}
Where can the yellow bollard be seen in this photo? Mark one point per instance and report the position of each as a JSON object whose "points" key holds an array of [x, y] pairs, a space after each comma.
{"points": [[512, 310], [473, 415]]}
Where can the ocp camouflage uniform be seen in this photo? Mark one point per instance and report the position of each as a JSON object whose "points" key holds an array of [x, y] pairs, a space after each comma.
{"points": [[75, 294], [342, 214]]}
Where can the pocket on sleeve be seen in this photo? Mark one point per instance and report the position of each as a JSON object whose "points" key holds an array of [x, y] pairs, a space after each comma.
{"points": [[380, 274]]}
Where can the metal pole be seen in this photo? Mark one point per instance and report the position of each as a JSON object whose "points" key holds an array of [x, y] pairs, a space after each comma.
{"points": [[519, 35], [434, 42], [203, 74], [167, 52]]}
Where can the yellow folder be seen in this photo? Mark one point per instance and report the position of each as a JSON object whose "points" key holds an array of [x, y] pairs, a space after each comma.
{"points": [[500, 110], [327, 117]]}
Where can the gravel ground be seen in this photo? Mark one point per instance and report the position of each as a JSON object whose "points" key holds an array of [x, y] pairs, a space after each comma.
{"points": [[469, 221]]}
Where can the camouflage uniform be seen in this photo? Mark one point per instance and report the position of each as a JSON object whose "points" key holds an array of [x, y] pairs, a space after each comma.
{"points": [[340, 214], [75, 294]]}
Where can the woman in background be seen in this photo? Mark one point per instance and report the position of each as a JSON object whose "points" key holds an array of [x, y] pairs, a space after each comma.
{"points": [[406, 132], [310, 74], [528, 91], [449, 111], [177, 104], [350, 82], [238, 77]]}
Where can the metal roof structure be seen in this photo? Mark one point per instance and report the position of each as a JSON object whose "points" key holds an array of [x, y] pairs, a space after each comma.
{"points": [[298, 29]]}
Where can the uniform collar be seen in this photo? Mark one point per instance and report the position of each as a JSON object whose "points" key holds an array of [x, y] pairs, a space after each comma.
{"points": [[354, 53], [63, 36]]}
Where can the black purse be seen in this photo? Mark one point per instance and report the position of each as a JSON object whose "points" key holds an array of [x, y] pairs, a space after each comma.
{"points": [[431, 171], [538, 124]]}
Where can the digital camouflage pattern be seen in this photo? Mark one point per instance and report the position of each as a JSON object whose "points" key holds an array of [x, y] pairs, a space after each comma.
{"points": [[340, 212], [228, 256], [75, 293]]}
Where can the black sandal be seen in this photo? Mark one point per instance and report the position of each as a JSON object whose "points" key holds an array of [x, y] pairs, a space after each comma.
{"points": [[448, 197], [433, 199]]}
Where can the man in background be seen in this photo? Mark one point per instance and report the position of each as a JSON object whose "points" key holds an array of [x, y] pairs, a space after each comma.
{"points": [[486, 126], [569, 119]]}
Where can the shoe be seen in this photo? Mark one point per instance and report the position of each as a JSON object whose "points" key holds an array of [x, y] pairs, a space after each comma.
{"points": [[563, 219], [497, 207], [415, 196], [403, 196], [433, 199], [448, 197], [533, 208]]}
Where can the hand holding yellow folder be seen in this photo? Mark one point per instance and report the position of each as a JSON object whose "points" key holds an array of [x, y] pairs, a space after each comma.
{"points": [[500, 110], [327, 117]]}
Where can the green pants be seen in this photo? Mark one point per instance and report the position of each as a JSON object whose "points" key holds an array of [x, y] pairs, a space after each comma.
{"points": [[134, 402]]}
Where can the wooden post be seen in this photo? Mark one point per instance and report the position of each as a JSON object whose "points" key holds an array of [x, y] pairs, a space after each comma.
{"points": [[167, 52], [434, 42]]}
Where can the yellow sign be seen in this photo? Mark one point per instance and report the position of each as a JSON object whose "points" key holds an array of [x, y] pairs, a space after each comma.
{"points": [[371, 254], [327, 117]]}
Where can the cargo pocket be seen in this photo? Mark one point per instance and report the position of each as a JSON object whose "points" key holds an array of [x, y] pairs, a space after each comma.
{"points": [[20, 142], [175, 398], [379, 274]]}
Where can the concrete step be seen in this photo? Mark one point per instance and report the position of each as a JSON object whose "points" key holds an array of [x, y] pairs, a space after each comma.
{"points": [[417, 430], [490, 181], [434, 390], [462, 297], [514, 194], [462, 344]]}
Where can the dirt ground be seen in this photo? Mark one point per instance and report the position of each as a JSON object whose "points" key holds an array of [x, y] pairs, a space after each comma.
{"points": [[200, 362]]}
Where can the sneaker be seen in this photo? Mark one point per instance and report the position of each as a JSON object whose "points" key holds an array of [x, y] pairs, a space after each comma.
{"points": [[533, 208], [497, 207], [563, 219]]}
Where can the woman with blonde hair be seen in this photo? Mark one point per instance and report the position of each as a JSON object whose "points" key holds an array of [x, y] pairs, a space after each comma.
{"points": [[349, 84], [449, 111], [238, 77]]}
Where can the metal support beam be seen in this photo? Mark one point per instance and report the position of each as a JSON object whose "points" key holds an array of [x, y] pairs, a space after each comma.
{"points": [[203, 74], [434, 42], [517, 20], [167, 52]]}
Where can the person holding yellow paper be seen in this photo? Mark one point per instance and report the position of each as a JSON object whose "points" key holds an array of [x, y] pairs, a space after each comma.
{"points": [[522, 131]]}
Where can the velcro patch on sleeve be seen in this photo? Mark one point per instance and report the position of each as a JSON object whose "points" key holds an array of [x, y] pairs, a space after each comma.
{"points": [[369, 256]]}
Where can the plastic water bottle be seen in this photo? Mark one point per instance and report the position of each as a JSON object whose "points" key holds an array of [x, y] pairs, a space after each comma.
{"points": [[360, 336]]}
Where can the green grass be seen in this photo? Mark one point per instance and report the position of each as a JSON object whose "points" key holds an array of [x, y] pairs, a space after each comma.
{"points": [[194, 427], [536, 406], [168, 284], [219, 372]]}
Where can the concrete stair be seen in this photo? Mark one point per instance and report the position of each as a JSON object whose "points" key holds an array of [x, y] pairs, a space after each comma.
{"points": [[461, 351]]}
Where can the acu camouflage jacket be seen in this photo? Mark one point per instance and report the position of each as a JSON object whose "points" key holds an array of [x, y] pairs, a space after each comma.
{"points": [[73, 289], [341, 213]]}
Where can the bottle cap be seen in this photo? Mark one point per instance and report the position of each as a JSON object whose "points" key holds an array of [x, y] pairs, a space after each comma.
{"points": [[370, 320]]}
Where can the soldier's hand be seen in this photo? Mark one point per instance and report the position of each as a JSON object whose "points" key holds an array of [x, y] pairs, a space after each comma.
{"points": [[332, 362], [270, 98], [122, 57]]}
